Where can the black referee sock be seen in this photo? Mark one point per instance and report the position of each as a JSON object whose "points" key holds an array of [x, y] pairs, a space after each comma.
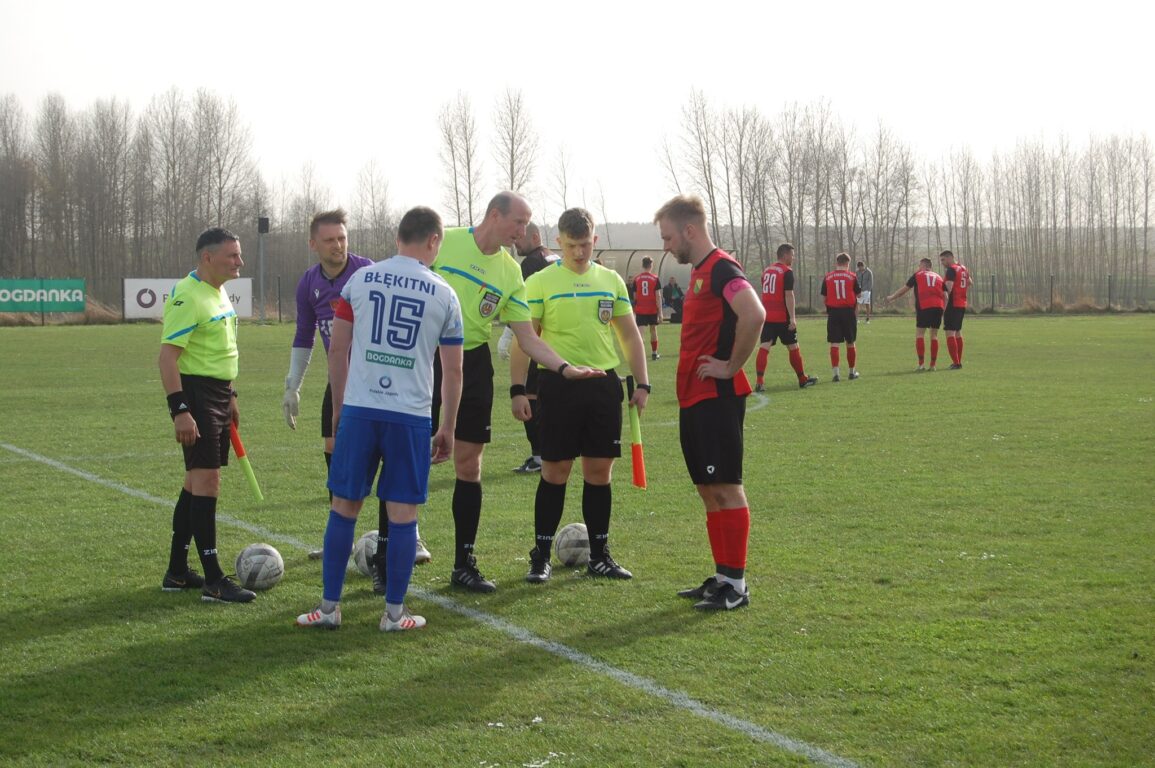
{"points": [[466, 516], [204, 527], [597, 500], [181, 534], [547, 512]]}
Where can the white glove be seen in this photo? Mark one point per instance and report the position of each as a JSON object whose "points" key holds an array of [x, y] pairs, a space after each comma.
{"points": [[504, 343], [298, 364], [292, 407]]}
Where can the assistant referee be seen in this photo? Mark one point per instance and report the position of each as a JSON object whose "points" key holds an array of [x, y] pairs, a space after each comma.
{"points": [[198, 363]]}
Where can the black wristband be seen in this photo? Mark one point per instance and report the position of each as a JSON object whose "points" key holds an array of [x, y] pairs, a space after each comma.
{"points": [[515, 390], [233, 392], [561, 368], [645, 387], [177, 404]]}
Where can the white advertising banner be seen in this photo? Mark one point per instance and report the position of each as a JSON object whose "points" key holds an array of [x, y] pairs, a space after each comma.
{"points": [[144, 298]]}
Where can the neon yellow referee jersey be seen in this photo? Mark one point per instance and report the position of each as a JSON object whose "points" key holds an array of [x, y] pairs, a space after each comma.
{"points": [[201, 319], [575, 312], [488, 287]]}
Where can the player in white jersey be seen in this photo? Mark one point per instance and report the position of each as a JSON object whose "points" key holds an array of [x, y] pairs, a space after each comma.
{"points": [[390, 320]]}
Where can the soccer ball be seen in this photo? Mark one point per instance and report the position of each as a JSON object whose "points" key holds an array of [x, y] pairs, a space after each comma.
{"points": [[259, 566], [363, 551], [572, 544]]}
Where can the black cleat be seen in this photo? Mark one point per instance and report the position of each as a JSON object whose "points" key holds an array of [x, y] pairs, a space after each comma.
{"points": [[853, 375], [468, 577], [377, 572], [190, 579], [708, 588], [726, 598], [809, 381], [605, 566], [530, 466], [954, 366], [539, 568], [226, 591]]}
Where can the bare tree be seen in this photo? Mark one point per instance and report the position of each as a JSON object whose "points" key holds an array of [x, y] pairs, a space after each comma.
{"points": [[376, 226], [699, 140], [17, 179], [461, 159], [516, 143], [55, 153]]}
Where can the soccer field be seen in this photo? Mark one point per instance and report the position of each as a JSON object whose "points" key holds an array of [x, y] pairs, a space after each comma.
{"points": [[946, 569]]}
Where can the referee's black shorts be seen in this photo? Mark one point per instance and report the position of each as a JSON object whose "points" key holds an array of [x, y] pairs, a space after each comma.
{"points": [[476, 410], [711, 436], [210, 401], [582, 417]]}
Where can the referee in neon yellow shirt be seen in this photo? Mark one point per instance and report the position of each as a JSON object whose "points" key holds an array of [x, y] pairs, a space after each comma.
{"points": [[198, 362], [578, 306]]}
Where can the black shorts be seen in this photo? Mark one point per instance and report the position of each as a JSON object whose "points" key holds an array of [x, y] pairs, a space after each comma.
{"points": [[711, 435], [209, 401], [952, 318], [646, 319], [841, 325], [531, 378], [579, 418], [327, 413], [928, 318], [475, 413], [775, 332]]}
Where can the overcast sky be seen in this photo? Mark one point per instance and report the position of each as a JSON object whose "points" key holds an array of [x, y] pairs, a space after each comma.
{"points": [[338, 84]]}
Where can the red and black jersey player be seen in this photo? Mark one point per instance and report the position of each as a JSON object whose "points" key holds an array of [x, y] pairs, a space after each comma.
{"points": [[957, 280], [721, 320], [929, 301]]}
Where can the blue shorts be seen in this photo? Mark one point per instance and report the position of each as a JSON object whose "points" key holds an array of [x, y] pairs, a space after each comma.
{"points": [[402, 450]]}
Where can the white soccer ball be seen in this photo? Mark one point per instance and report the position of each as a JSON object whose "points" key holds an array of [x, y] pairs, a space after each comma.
{"points": [[259, 566], [363, 550], [572, 545]]}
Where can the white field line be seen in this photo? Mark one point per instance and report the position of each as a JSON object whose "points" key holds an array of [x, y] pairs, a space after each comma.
{"points": [[629, 679]]}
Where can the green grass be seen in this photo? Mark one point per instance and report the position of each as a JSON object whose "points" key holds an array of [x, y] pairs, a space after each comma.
{"points": [[946, 569]]}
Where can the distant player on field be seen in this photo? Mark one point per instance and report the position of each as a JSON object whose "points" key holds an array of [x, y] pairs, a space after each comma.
{"points": [[647, 301], [929, 300], [781, 321], [198, 363], [840, 289], [721, 319], [579, 307], [390, 321], [866, 283], [956, 281]]}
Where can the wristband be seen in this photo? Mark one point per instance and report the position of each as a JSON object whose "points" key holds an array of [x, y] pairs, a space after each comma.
{"points": [[561, 368], [177, 404], [516, 390], [645, 387], [233, 392]]}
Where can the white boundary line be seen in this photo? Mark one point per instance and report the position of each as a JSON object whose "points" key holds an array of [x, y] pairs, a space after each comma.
{"points": [[629, 679]]}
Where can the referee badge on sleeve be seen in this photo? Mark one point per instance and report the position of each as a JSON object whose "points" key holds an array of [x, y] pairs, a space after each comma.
{"points": [[488, 303], [605, 310]]}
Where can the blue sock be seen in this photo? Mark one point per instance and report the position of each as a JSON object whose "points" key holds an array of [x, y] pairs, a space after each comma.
{"points": [[338, 545], [399, 560]]}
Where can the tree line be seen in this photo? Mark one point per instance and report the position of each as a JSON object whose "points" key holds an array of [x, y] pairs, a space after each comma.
{"points": [[104, 193], [1081, 216]]}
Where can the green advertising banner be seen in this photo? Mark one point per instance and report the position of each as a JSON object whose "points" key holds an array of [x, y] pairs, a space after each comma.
{"points": [[41, 295]]}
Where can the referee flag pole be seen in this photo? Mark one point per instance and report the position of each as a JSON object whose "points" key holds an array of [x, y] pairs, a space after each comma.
{"points": [[638, 455], [239, 449]]}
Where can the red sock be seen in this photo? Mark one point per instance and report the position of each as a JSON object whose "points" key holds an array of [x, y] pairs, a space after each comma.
{"points": [[834, 357], [735, 528], [933, 351], [851, 356], [920, 348], [958, 343], [653, 345], [796, 363], [716, 531], [952, 348], [760, 362]]}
